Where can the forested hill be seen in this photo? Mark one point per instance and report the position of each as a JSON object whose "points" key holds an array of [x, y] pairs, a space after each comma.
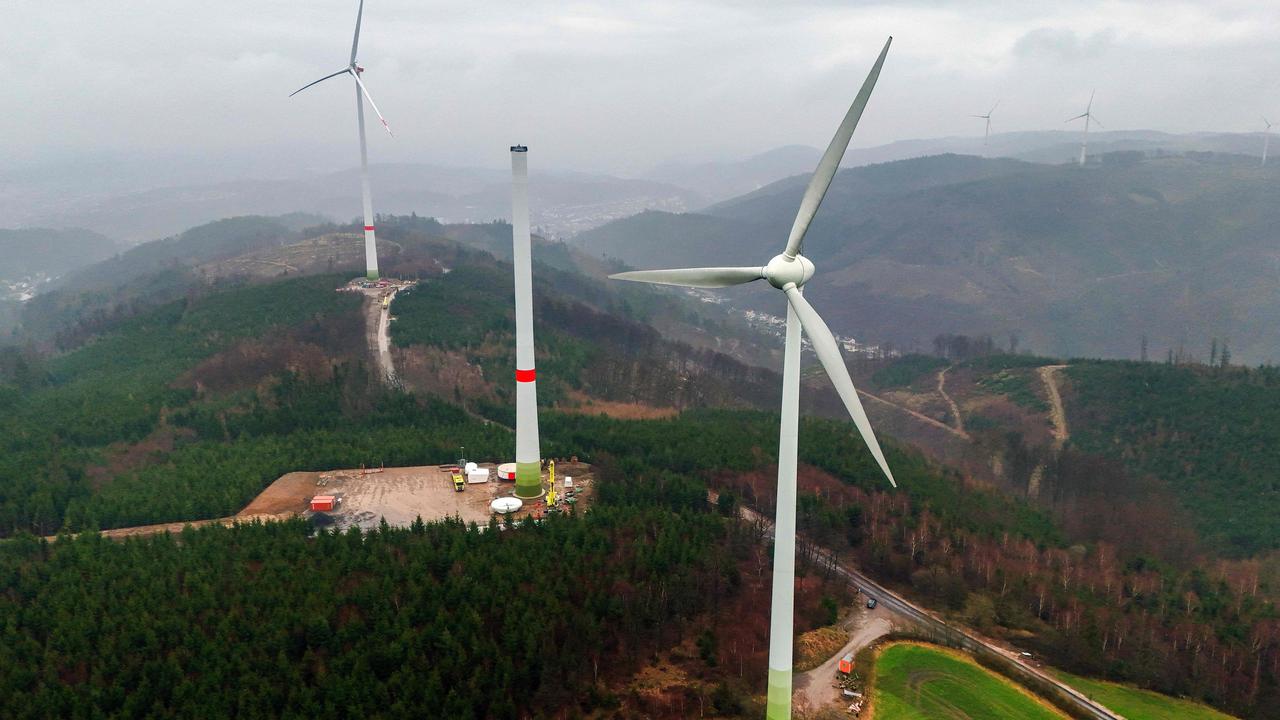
{"points": [[42, 251], [1078, 261], [1212, 433], [1170, 458], [120, 427], [185, 409]]}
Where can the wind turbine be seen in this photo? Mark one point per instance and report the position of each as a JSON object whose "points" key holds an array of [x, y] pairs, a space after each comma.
{"points": [[789, 272], [1087, 115], [1266, 139], [353, 69], [987, 133]]}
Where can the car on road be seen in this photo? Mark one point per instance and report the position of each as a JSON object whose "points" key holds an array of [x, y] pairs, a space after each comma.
{"points": [[871, 603]]}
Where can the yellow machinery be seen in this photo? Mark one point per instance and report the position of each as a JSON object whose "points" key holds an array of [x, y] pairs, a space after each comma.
{"points": [[459, 482], [551, 483]]}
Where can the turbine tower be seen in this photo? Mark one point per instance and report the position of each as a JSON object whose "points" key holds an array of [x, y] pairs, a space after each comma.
{"points": [[1266, 139], [362, 93], [528, 457], [788, 272], [1087, 115], [987, 133]]}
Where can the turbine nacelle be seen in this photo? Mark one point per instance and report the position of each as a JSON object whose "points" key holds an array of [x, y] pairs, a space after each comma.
{"points": [[784, 270]]}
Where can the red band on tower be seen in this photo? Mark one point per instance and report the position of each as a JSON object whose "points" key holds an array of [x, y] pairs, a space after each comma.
{"points": [[526, 375], [368, 228]]}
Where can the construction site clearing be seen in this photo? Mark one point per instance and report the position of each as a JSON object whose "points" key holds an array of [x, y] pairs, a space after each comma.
{"points": [[363, 497]]}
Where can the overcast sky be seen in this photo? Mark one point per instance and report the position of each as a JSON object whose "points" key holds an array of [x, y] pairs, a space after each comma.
{"points": [[613, 87]]}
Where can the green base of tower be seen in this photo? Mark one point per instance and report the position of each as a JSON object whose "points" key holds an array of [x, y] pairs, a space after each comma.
{"points": [[371, 275], [528, 480], [778, 706]]}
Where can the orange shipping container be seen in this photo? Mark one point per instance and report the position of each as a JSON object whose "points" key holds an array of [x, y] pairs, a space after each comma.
{"points": [[846, 664], [322, 502]]}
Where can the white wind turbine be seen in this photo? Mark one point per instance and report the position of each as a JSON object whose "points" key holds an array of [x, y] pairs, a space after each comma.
{"points": [[987, 133], [354, 70], [789, 272], [1266, 139], [1087, 115]]}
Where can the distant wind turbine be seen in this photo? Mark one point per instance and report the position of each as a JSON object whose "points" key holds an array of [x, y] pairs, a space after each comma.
{"points": [[1087, 115], [987, 133], [1266, 139], [789, 272], [354, 70]]}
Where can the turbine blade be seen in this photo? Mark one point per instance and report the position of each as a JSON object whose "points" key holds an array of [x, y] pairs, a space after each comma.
{"points": [[824, 344], [326, 77], [372, 104], [1076, 117], [1087, 108], [993, 108], [1094, 118], [830, 161], [713, 277], [355, 41]]}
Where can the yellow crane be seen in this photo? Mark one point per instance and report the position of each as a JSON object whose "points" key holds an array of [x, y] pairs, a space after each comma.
{"points": [[551, 483]]}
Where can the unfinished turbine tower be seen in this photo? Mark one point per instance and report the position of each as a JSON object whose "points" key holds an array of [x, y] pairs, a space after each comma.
{"points": [[1088, 116], [788, 272], [362, 93], [528, 457]]}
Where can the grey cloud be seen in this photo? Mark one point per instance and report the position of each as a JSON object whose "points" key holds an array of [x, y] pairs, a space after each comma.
{"points": [[1063, 44]]}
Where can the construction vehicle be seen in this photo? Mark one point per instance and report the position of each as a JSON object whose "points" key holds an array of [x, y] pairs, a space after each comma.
{"points": [[459, 482]]}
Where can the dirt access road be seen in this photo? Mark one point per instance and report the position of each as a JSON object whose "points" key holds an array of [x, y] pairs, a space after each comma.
{"points": [[918, 416], [816, 688], [377, 324], [1049, 374], [955, 409]]}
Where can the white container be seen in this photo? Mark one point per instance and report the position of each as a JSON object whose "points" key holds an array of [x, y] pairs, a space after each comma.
{"points": [[568, 482], [478, 475], [470, 468]]}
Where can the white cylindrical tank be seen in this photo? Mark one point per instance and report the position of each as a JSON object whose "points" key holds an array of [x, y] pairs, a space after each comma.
{"points": [[506, 505]]}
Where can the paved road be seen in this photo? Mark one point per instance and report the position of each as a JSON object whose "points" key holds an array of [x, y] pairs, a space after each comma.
{"points": [[971, 643], [903, 608]]}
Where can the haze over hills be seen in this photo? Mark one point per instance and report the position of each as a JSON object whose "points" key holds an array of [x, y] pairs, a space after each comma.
{"points": [[44, 251], [1075, 261], [563, 203], [169, 197]]}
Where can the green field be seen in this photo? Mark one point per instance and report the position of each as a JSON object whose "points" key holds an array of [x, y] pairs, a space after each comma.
{"points": [[1137, 704], [915, 682]]}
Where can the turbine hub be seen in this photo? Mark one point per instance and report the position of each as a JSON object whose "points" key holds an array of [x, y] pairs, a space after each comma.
{"points": [[782, 270]]}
